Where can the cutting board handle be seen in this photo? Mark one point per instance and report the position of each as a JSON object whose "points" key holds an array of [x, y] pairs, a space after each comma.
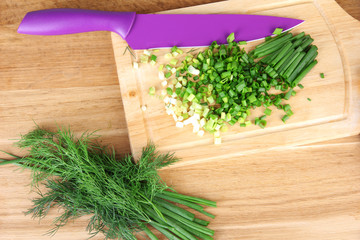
{"points": [[69, 20]]}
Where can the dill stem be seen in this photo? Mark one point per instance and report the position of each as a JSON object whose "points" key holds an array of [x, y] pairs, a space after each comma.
{"points": [[182, 236], [14, 161], [149, 233], [178, 210], [201, 222], [170, 225], [191, 199], [207, 214], [175, 223], [183, 202], [166, 233], [19, 162], [196, 233], [179, 231], [187, 222], [194, 206]]}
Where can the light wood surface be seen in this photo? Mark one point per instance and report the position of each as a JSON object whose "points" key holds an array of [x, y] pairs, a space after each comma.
{"points": [[334, 105], [307, 192], [300, 193]]}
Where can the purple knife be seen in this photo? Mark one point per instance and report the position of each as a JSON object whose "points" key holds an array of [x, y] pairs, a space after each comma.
{"points": [[144, 31]]}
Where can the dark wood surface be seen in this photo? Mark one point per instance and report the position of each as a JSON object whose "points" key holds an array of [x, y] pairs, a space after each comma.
{"points": [[352, 7]]}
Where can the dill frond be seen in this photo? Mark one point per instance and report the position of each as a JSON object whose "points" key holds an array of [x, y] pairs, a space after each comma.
{"points": [[83, 178]]}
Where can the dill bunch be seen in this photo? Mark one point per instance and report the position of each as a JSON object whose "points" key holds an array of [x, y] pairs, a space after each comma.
{"points": [[120, 196]]}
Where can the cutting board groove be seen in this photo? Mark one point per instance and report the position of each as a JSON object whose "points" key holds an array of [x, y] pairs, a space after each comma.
{"points": [[345, 63]]}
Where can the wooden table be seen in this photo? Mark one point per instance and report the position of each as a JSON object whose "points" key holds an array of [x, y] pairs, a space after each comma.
{"points": [[305, 192]]}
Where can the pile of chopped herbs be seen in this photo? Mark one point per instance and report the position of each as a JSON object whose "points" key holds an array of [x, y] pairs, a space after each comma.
{"points": [[219, 86], [121, 197]]}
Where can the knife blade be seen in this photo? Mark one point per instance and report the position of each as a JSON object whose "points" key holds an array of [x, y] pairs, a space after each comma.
{"points": [[144, 31]]}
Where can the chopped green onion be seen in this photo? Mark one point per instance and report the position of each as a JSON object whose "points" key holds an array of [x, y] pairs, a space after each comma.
{"points": [[153, 58], [210, 99], [292, 67], [252, 98], [281, 54], [309, 57], [277, 101], [174, 49], [285, 118], [271, 46], [144, 58], [262, 123], [299, 36], [193, 70], [217, 140], [179, 51], [218, 86], [322, 75], [287, 107], [288, 94], [168, 74], [230, 38], [173, 61], [147, 52], [169, 91], [307, 42], [152, 91], [289, 113], [303, 73], [278, 31], [286, 58], [283, 68], [267, 112], [191, 97]]}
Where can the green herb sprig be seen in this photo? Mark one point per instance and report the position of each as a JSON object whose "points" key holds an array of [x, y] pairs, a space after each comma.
{"points": [[121, 197]]}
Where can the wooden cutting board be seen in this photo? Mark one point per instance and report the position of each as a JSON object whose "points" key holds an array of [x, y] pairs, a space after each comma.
{"points": [[332, 113]]}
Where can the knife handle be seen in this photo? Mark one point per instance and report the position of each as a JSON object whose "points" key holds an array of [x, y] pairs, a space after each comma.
{"points": [[69, 20]]}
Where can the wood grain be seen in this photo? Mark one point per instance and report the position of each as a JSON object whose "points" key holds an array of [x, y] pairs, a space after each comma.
{"points": [[69, 79], [312, 189], [302, 193], [335, 99]]}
